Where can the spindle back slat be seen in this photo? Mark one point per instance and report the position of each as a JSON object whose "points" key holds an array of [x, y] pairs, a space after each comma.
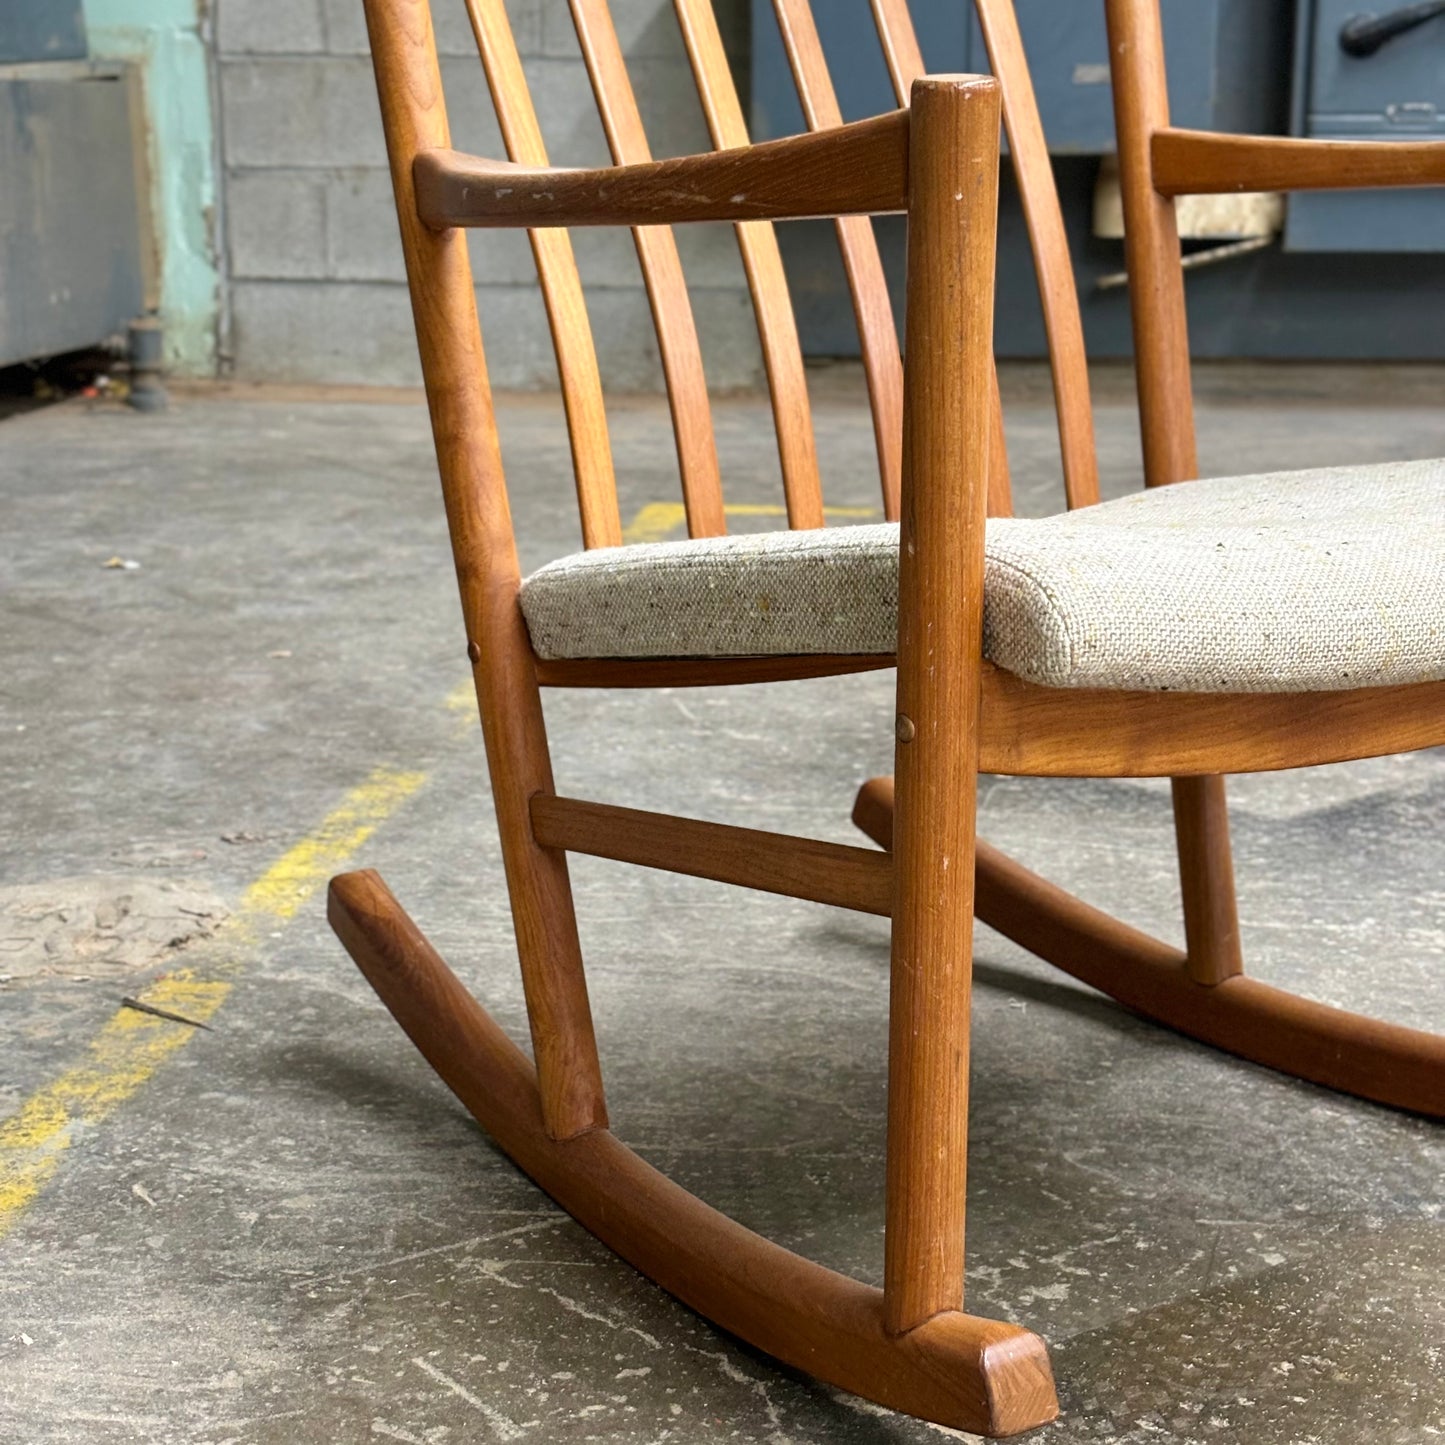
{"points": [[561, 285], [904, 60], [1063, 324], [672, 312], [872, 307], [763, 265], [667, 294]]}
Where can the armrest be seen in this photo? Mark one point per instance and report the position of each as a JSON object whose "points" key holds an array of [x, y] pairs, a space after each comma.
{"points": [[851, 169], [1199, 162]]}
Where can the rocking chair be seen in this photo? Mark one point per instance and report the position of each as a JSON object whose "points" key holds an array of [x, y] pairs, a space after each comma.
{"points": [[982, 629]]}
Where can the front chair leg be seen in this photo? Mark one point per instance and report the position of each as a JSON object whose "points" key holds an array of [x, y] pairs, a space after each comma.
{"points": [[940, 629]]}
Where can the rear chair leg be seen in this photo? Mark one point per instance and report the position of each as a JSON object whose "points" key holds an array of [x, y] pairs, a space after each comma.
{"points": [[1206, 880], [549, 951]]}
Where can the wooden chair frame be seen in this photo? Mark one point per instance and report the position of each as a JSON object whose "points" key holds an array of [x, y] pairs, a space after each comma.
{"points": [[942, 466]]}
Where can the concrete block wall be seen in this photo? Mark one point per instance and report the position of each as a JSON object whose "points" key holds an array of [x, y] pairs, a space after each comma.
{"points": [[317, 291]]}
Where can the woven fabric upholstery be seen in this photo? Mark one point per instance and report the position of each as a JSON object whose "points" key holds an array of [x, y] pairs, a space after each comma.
{"points": [[1283, 582]]}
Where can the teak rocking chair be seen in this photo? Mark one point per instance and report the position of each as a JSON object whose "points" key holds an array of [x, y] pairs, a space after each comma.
{"points": [[1017, 688]]}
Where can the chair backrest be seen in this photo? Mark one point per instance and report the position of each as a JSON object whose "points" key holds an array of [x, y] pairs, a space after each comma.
{"points": [[396, 23]]}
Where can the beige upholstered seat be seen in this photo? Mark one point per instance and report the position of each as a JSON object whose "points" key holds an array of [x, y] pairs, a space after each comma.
{"points": [[1283, 582]]}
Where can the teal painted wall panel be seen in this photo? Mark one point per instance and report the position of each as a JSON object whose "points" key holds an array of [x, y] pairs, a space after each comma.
{"points": [[169, 40]]}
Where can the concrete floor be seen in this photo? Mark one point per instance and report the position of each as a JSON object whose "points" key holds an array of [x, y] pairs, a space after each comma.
{"points": [[288, 1230]]}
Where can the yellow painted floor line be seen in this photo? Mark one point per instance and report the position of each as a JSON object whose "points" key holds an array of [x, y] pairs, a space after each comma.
{"points": [[658, 521], [132, 1046], [281, 890]]}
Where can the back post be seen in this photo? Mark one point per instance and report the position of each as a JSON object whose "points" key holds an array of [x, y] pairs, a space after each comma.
{"points": [[439, 274], [1166, 419]]}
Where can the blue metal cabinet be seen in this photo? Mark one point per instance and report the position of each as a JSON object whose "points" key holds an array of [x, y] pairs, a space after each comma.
{"points": [[859, 74], [1397, 93], [1229, 69], [1228, 64]]}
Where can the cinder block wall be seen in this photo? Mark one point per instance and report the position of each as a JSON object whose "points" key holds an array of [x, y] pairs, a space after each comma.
{"points": [[317, 292]]}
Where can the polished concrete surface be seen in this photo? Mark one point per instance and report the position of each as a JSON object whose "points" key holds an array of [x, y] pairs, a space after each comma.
{"points": [[287, 1229]]}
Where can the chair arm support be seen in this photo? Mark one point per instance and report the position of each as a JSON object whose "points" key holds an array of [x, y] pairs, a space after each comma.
{"points": [[860, 168], [1198, 162]]}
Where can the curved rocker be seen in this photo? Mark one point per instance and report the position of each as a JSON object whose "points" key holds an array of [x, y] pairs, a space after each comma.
{"points": [[1388, 1063], [957, 1369]]}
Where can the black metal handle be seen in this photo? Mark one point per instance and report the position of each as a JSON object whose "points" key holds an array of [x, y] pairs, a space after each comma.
{"points": [[1363, 35]]}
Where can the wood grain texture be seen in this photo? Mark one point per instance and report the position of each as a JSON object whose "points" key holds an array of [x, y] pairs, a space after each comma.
{"points": [[960, 1371], [833, 873], [1053, 264], [572, 345], [1199, 162], [1402, 1067], [1033, 731], [479, 521], [953, 200], [1081, 733], [667, 294], [860, 168], [763, 265], [872, 308]]}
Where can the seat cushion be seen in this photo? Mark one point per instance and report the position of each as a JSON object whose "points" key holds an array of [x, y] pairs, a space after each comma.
{"points": [[1282, 582]]}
